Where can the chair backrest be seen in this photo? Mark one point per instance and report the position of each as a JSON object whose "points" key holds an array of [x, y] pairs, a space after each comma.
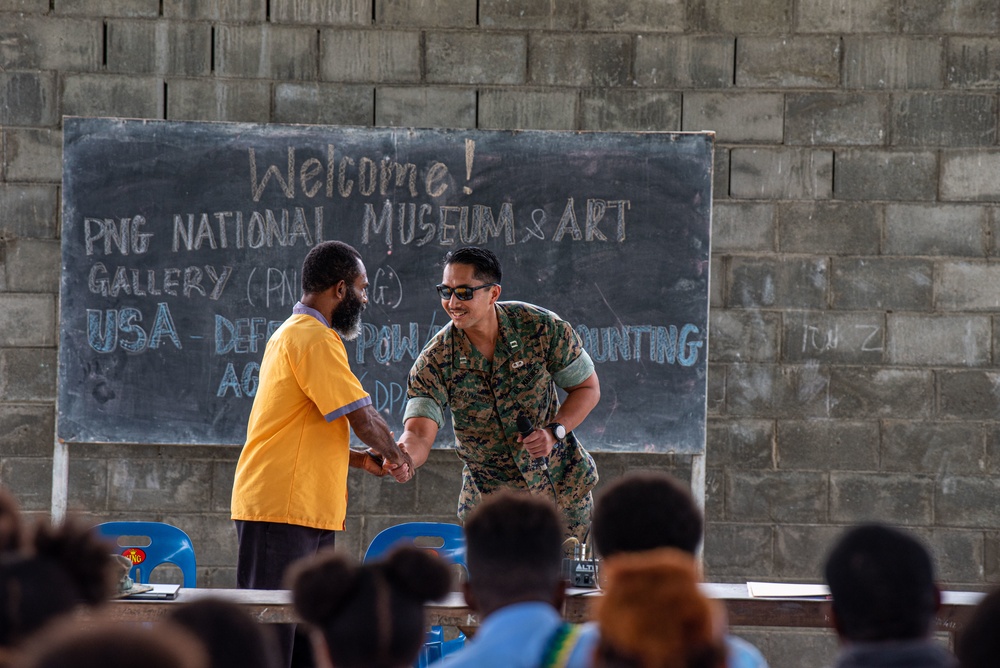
{"points": [[149, 544], [445, 539]]}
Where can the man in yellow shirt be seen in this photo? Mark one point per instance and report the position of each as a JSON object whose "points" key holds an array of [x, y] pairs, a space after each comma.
{"points": [[290, 491]]}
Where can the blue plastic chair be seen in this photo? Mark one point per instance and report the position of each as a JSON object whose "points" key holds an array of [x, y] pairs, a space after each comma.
{"points": [[449, 542], [150, 544]]}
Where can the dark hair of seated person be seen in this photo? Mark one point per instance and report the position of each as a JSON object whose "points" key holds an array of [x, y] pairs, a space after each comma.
{"points": [[368, 615], [645, 511], [111, 644], [978, 645], [229, 634], [67, 566]]}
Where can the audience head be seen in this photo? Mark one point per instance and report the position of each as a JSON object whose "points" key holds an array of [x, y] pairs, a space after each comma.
{"points": [[228, 633], [645, 511], [882, 584], [63, 568], [653, 614], [978, 645], [513, 551], [370, 615], [112, 645]]}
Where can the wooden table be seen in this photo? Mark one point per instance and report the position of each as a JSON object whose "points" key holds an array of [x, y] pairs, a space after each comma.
{"points": [[275, 607]]}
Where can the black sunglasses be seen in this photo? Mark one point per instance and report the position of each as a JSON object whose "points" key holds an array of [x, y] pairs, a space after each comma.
{"points": [[463, 292]]}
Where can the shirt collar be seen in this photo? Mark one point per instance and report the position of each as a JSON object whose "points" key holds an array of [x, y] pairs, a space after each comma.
{"points": [[302, 309]]}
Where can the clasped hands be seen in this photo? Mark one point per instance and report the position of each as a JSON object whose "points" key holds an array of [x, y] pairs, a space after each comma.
{"points": [[377, 465]]}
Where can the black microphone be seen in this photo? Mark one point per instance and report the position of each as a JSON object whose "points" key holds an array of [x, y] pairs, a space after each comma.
{"points": [[524, 427]]}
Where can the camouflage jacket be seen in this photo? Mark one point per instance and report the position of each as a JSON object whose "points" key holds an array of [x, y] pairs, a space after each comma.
{"points": [[535, 351]]}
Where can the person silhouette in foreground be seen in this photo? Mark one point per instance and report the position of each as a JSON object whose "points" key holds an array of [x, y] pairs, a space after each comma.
{"points": [[884, 599]]}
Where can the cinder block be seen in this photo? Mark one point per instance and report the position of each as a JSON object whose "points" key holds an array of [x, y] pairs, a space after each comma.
{"points": [[527, 110], [26, 430], [28, 98], [684, 61], [744, 444], [715, 393], [28, 211], [772, 391], [938, 229], [968, 394], [596, 60], [29, 480], [736, 117], [237, 11], [213, 536], [721, 173], [616, 109], [875, 62], [153, 485], [835, 228], [749, 335], [967, 286], [991, 556], [970, 175], [32, 265], [28, 374], [885, 175], [369, 56], [87, 486], [781, 497], [836, 119], [860, 392], [876, 497], [967, 16], [735, 548], [943, 449], [217, 100], [834, 338], [25, 6], [822, 445], [967, 501], [846, 16], [113, 95], [223, 474], [882, 283], [787, 62], [973, 63], [782, 282], [743, 226], [322, 12], [266, 52], [781, 173], [470, 58], [159, 47], [425, 107], [324, 104], [799, 552], [100, 8], [27, 319], [787, 647], [439, 482], [939, 340], [426, 13], [34, 155], [771, 17], [528, 14], [930, 119], [958, 554], [46, 43]]}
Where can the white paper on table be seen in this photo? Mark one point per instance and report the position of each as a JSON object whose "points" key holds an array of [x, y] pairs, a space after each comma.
{"points": [[787, 590]]}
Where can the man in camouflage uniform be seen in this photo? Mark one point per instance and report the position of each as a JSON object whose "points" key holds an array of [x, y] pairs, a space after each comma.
{"points": [[492, 362]]}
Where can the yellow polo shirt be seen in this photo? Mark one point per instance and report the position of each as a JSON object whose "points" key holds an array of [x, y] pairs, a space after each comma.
{"points": [[293, 467]]}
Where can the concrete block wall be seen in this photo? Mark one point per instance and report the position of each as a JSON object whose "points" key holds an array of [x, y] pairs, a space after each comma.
{"points": [[854, 337]]}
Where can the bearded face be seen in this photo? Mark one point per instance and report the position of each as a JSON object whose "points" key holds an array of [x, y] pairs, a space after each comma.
{"points": [[346, 318]]}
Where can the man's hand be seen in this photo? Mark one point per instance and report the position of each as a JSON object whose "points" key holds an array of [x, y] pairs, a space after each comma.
{"points": [[538, 443], [368, 461], [401, 472]]}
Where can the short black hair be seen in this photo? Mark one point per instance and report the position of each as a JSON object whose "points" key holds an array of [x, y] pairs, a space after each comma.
{"points": [[485, 262], [327, 264], [978, 645], [370, 615], [513, 548], [645, 511], [228, 633], [882, 583]]}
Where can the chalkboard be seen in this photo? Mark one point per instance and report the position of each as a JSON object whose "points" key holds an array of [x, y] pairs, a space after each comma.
{"points": [[182, 244]]}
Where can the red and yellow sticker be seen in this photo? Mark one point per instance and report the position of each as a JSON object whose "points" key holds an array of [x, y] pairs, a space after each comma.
{"points": [[135, 555]]}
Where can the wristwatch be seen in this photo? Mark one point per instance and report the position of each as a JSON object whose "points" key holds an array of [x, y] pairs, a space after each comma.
{"points": [[557, 430]]}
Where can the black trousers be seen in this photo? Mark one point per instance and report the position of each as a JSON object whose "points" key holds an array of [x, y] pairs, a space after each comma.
{"points": [[266, 550]]}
